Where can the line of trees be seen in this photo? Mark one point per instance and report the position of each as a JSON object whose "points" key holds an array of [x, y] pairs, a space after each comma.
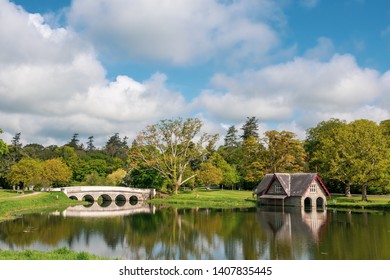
{"points": [[174, 154]]}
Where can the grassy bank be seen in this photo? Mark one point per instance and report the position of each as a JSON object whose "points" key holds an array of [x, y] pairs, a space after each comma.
{"points": [[57, 254], [355, 202], [209, 199], [13, 204]]}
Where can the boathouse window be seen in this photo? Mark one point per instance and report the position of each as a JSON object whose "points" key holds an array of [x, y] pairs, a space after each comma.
{"points": [[278, 188], [313, 188]]}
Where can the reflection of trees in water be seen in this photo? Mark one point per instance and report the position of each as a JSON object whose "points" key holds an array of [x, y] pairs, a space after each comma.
{"points": [[168, 234], [206, 234], [356, 236]]}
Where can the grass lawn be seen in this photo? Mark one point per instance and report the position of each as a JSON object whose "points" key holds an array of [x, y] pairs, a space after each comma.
{"points": [[13, 204], [355, 201], [209, 199]]}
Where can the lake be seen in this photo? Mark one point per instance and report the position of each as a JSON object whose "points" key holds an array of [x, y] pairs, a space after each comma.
{"points": [[142, 231]]}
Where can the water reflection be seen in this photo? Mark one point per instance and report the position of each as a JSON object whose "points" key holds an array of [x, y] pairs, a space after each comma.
{"points": [[106, 209], [142, 232], [283, 223], [291, 232]]}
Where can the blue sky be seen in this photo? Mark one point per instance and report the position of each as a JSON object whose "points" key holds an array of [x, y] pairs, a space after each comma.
{"points": [[98, 67]]}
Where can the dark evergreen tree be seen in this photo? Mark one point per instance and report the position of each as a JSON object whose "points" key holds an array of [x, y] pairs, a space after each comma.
{"points": [[16, 140], [250, 128], [74, 142], [116, 147], [90, 146], [231, 138]]}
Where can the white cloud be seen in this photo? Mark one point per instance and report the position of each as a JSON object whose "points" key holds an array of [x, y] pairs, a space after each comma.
{"points": [[53, 85], [178, 32], [304, 90]]}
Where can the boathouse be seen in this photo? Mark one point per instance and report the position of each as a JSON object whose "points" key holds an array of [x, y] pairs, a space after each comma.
{"points": [[297, 189]]}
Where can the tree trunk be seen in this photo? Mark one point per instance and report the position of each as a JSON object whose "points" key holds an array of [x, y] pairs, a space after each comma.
{"points": [[178, 183], [364, 193], [348, 190]]}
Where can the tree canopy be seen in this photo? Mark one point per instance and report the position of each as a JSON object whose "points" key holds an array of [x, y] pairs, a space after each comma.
{"points": [[175, 153], [169, 147]]}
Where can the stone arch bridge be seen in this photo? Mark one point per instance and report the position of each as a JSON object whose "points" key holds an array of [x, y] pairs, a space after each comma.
{"points": [[108, 193]]}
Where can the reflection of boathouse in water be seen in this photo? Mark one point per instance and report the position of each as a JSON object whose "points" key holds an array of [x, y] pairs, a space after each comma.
{"points": [[291, 231], [292, 222]]}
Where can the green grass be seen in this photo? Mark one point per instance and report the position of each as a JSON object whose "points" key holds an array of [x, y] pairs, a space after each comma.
{"points": [[355, 201], [210, 199], [13, 204], [57, 254]]}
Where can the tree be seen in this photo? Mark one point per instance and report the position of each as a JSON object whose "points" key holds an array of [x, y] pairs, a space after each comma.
{"points": [[209, 175], [90, 146], [231, 139], [74, 142], [116, 177], [357, 154], [116, 147], [230, 176], [3, 146], [252, 163], [56, 173], [284, 152], [250, 128], [144, 177], [27, 172], [169, 147], [318, 158]]}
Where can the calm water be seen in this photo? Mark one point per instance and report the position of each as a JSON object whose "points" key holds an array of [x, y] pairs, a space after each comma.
{"points": [[142, 232]]}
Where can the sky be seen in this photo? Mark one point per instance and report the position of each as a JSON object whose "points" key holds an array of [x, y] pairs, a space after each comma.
{"points": [[97, 67]]}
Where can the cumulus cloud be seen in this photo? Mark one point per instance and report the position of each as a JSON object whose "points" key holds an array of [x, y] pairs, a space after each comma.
{"points": [[178, 32], [303, 89], [52, 83]]}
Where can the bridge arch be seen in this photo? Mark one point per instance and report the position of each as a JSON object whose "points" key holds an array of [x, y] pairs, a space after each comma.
{"points": [[133, 200], [88, 198]]}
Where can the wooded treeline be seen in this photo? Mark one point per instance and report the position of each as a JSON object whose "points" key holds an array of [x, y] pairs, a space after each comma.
{"points": [[173, 154]]}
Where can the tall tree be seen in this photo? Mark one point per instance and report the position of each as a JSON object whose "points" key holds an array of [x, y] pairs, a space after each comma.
{"points": [[56, 173], [169, 147], [230, 176], [250, 128], [284, 152], [357, 154], [252, 163], [116, 147], [26, 171], [231, 139], [209, 175], [74, 142], [90, 144], [3, 146], [317, 158]]}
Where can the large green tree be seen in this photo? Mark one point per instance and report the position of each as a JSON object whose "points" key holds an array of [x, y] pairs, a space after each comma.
{"points": [[27, 172], [169, 147], [55, 173], [318, 160], [284, 153], [356, 154], [252, 164], [209, 175]]}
